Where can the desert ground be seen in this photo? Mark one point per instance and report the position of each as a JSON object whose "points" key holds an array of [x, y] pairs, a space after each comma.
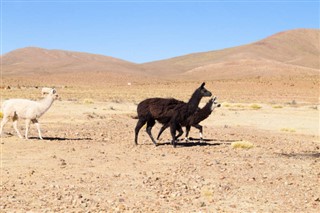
{"points": [[88, 161]]}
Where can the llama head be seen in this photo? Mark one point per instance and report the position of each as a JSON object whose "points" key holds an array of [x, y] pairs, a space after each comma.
{"points": [[213, 103], [53, 93], [203, 91]]}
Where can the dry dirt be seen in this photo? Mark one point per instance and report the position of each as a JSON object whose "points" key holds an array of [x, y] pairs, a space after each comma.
{"points": [[88, 161]]}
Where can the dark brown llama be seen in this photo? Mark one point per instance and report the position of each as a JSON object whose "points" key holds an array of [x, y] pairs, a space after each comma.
{"points": [[195, 119], [170, 111]]}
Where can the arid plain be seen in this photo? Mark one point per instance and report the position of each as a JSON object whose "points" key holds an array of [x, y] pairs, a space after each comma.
{"points": [[87, 162]]}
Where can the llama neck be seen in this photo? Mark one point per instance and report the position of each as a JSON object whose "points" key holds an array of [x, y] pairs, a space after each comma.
{"points": [[45, 104], [205, 111], [194, 102]]}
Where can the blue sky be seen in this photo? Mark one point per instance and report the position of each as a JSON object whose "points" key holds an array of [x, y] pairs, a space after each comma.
{"points": [[144, 31]]}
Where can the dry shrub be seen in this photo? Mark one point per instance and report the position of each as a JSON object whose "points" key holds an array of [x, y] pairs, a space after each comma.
{"points": [[277, 106], [226, 105], [287, 130], [255, 106], [241, 144], [88, 101], [207, 193]]}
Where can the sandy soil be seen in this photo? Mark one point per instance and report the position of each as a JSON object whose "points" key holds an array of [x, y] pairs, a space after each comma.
{"points": [[88, 162]]}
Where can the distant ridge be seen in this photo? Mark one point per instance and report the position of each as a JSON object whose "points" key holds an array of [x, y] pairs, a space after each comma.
{"points": [[38, 60], [298, 48], [294, 52]]}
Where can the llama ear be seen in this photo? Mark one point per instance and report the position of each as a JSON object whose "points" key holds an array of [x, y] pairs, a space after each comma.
{"points": [[202, 85], [54, 91]]}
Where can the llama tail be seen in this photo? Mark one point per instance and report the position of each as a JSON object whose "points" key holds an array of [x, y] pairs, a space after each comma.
{"points": [[134, 116]]}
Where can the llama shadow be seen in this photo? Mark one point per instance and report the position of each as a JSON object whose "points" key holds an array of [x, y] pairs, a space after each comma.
{"points": [[300, 155], [61, 139], [220, 141], [196, 142]]}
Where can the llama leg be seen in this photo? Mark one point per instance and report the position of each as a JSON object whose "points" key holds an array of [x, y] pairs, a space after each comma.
{"points": [[3, 122], [173, 128], [27, 128], [35, 121], [140, 124], [164, 127], [200, 133], [179, 128], [150, 124], [187, 133], [199, 127], [15, 126]]}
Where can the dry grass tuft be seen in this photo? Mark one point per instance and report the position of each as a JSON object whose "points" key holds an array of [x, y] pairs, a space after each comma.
{"points": [[242, 144], [207, 193], [277, 107], [1, 115], [226, 105], [88, 101], [255, 106], [287, 130]]}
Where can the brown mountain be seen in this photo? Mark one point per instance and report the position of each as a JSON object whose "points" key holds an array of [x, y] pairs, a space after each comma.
{"points": [[293, 52], [37, 60]]}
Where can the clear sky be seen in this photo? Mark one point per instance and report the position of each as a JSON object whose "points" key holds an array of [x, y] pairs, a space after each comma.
{"points": [[144, 31]]}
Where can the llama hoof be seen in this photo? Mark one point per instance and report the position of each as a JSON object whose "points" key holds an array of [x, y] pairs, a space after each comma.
{"points": [[174, 144]]}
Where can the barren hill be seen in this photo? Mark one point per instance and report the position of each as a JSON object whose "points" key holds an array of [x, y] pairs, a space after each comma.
{"points": [[289, 53], [293, 52], [38, 61]]}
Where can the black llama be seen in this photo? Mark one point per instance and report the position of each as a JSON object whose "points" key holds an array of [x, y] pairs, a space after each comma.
{"points": [[195, 119], [170, 111]]}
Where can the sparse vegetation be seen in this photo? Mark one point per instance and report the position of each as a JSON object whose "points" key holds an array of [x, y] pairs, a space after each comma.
{"points": [[208, 193], [226, 105], [239, 106], [88, 101], [277, 107], [287, 130], [235, 106], [242, 145], [255, 106]]}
